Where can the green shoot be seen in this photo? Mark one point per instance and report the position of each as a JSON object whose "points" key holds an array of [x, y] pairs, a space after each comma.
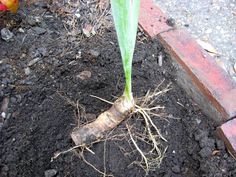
{"points": [[125, 15]]}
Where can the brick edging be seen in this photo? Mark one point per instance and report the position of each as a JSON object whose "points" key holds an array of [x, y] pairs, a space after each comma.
{"points": [[207, 76], [227, 132]]}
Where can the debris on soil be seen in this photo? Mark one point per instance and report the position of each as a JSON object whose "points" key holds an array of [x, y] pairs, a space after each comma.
{"points": [[32, 62], [208, 47]]}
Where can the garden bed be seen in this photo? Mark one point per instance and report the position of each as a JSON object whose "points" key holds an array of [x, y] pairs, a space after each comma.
{"points": [[50, 75]]}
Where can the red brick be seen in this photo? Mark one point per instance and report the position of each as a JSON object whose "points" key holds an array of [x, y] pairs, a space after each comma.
{"points": [[227, 132], [213, 82], [151, 19]]}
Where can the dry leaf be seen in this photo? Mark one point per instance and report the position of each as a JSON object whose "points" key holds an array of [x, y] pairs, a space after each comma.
{"points": [[215, 152], [208, 47]]}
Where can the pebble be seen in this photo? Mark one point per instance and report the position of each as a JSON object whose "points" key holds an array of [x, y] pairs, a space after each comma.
{"points": [[198, 121], [84, 75], [3, 114], [170, 22], [78, 55], [32, 62], [77, 14], [88, 30], [7, 35], [41, 52], [235, 67], [50, 173], [94, 53], [39, 30], [21, 30], [27, 71], [31, 21], [176, 169]]}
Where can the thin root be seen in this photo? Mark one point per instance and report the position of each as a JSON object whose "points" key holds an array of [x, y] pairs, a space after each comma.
{"points": [[154, 151]]}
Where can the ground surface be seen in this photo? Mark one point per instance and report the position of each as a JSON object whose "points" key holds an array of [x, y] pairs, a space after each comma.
{"points": [[212, 21], [45, 70]]}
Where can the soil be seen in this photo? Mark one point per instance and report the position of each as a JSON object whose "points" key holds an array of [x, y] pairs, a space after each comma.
{"points": [[47, 75]]}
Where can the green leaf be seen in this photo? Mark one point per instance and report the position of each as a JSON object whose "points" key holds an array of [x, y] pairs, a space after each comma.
{"points": [[125, 14]]}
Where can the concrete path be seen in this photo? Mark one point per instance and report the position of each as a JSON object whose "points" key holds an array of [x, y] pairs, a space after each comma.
{"points": [[211, 21]]}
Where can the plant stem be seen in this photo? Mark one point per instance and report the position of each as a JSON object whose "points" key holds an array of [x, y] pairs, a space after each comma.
{"points": [[125, 14], [127, 66]]}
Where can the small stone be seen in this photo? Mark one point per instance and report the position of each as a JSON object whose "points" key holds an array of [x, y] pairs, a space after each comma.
{"points": [[176, 169], [84, 75], [32, 62], [78, 55], [19, 98], [41, 52], [31, 21], [50, 173], [94, 53], [39, 30], [170, 22], [88, 30], [27, 71], [198, 121], [205, 152], [21, 30], [6, 35], [77, 14], [3, 114]]}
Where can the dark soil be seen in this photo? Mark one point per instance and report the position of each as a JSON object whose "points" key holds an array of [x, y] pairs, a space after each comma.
{"points": [[42, 75]]}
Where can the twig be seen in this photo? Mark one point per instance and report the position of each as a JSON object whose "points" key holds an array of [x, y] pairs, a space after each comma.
{"points": [[64, 152]]}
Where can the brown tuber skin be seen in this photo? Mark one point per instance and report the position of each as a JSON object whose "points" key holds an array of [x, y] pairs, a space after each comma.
{"points": [[106, 121]]}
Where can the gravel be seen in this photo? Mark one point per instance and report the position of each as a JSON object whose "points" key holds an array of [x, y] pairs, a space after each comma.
{"points": [[6, 35], [213, 21]]}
